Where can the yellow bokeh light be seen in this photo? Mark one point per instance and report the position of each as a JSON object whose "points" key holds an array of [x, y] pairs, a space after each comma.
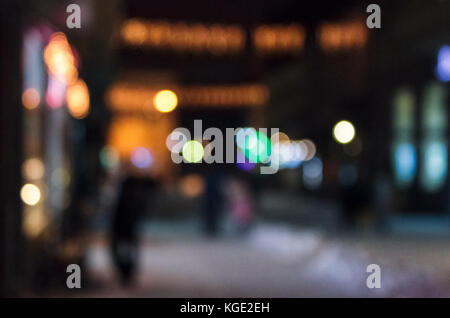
{"points": [[344, 132], [31, 98], [165, 101], [33, 169], [78, 99], [30, 194], [193, 151]]}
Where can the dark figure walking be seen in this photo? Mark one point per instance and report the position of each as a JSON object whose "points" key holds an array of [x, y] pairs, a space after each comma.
{"points": [[212, 204], [134, 194]]}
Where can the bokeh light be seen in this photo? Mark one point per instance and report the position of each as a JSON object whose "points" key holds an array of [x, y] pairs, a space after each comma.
{"points": [[310, 149], [443, 64], [134, 31], [435, 165], [175, 141], [193, 151], [78, 99], [246, 138], [31, 98], [405, 163], [279, 137], [165, 101], [344, 132], [141, 158], [109, 158], [192, 185], [60, 178], [243, 162], [34, 222], [33, 169], [257, 147], [313, 173], [56, 92], [30, 194], [59, 58], [291, 153]]}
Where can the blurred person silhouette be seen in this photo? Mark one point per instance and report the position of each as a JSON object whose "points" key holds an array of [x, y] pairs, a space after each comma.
{"points": [[241, 205], [137, 190], [382, 196], [353, 198], [212, 203]]}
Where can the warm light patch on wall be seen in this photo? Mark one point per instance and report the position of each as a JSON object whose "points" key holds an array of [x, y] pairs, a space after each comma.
{"points": [[130, 132], [342, 36], [127, 133]]}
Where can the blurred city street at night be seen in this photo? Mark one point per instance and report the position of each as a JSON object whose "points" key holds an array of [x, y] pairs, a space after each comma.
{"points": [[224, 148]]}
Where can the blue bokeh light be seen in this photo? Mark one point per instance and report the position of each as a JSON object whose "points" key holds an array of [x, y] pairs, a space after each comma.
{"points": [[443, 64], [405, 163], [141, 158]]}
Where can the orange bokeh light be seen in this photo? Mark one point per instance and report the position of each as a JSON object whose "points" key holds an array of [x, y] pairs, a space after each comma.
{"points": [[59, 58], [31, 98], [78, 99]]}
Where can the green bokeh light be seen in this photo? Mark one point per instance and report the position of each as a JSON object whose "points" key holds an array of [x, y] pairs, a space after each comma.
{"points": [[260, 151], [193, 151]]}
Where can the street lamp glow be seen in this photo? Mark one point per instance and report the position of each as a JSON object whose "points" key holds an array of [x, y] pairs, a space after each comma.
{"points": [[344, 132], [165, 101]]}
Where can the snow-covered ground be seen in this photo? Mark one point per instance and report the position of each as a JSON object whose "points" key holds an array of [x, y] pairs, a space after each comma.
{"points": [[278, 261]]}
